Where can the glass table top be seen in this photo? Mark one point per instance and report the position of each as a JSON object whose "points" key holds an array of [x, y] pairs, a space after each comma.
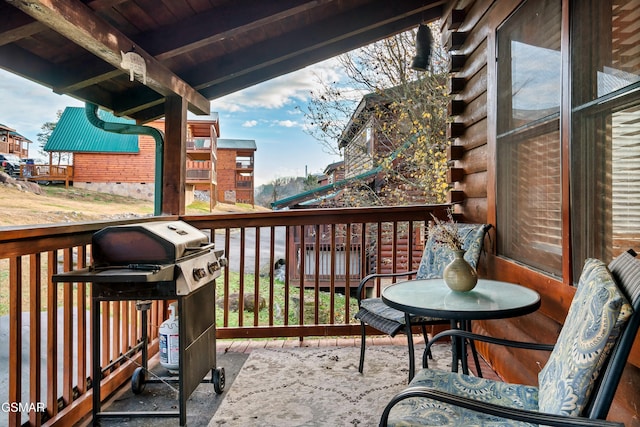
{"points": [[490, 299]]}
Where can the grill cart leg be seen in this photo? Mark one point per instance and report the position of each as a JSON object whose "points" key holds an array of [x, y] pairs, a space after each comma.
{"points": [[139, 377]]}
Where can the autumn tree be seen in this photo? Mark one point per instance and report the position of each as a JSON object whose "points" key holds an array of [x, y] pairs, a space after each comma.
{"points": [[43, 137], [392, 117]]}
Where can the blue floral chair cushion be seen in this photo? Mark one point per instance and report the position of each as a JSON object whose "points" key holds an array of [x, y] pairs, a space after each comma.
{"points": [[427, 412], [592, 325], [434, 259]]}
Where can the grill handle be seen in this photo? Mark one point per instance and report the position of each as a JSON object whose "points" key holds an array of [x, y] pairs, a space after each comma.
{"points": [[201, 248]]}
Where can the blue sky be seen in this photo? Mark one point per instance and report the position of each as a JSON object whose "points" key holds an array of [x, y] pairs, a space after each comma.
{"points": [[268, 113]]}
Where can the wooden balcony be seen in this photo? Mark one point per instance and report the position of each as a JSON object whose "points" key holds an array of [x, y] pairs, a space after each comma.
{"points": [[44, 173], [54, 368], [200, 172]]}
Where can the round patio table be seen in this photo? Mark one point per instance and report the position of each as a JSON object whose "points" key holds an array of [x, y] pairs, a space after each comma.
{"points": [[490, 299]]}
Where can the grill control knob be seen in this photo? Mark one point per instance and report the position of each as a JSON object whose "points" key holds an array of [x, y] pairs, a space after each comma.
{"points": [[222, 262], [213, 267], [199, 273]]}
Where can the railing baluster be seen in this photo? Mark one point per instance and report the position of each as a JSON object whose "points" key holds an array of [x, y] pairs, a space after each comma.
{"points": [[106, 335], [52, 335], [81, 325], [15, 336], [67, 331], [241, 278], [378, 291], [303, 257], [287, 277], [272, 261], [347, 272], [256, 280], [316, 282], [35, 335], [332, 278]]}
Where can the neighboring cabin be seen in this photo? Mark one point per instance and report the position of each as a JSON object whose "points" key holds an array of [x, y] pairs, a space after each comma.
{"points": [[11, 142], [125, 164], [235, 170]]}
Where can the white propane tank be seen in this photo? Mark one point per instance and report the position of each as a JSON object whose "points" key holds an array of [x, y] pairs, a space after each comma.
{"points": [[169, 341]]}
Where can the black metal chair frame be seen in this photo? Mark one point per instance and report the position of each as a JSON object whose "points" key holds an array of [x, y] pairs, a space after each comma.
{"points": [[599, 403], [409, 324]]}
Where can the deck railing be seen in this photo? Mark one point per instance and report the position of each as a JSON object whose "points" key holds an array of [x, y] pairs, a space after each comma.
{"points": [[48, 370]]}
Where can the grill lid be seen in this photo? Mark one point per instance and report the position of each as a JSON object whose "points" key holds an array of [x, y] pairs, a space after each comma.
{"points": [[160, 242]]}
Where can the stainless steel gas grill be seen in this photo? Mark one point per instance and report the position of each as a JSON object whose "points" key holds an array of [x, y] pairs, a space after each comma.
{"points": [[161, 260]]}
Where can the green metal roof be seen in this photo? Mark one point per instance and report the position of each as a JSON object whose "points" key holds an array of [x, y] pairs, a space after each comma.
{"points": [[73, 133], [320, 191], [237, 144]]}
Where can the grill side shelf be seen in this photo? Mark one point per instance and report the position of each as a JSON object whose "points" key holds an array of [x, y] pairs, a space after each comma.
{"points": [[117, 275]]}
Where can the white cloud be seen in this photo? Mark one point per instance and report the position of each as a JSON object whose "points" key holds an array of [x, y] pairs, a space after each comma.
{"points": [[27, 106], [281, 91], [287, 123], [250, 123]]}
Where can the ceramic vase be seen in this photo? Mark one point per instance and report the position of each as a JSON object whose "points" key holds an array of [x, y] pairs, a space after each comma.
{"points": [[459, 275]]}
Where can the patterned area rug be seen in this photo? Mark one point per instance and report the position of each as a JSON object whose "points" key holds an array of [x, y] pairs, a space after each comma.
{"points": [[318, 386]]}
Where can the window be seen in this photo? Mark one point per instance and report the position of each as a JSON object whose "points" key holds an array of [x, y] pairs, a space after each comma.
{"points": [[529, 210], [605, 135]]}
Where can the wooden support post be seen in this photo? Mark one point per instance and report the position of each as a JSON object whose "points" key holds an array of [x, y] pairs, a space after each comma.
{"points": [[175, 156]]}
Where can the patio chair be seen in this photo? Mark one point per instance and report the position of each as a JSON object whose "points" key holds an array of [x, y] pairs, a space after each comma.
{"points": [[578, 382], [375, 313]]}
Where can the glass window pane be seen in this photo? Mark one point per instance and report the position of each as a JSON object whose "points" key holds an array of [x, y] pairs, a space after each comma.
{"points": [[529, 65], [605, 144], [605, 37], [529, 202]]}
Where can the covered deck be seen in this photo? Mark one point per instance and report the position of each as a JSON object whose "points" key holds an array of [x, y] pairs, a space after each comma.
{"points": [[542, 144]]}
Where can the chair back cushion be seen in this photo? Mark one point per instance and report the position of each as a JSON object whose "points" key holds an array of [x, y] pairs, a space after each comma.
{"points": [[597, 313], [625, 268], [436, 257]]}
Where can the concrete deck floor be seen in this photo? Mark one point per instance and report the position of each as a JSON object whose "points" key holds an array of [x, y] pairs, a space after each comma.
{"points": [[203, 402]]}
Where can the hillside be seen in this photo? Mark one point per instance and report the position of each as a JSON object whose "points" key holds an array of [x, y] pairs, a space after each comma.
{"points": [[281, 188], [55, 204]]}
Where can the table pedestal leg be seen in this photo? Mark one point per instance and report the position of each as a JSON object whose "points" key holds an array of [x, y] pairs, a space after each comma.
{"points": [[412, 363]]}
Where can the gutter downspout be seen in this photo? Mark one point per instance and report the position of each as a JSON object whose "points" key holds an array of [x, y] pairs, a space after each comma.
{"points": [[91, 111]]}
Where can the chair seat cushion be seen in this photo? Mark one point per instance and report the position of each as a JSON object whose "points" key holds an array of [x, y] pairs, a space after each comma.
{"points": [[427, 412], [376, 313]]}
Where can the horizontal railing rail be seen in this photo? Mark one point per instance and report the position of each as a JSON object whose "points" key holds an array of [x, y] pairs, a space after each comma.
{"points": [[268, 289]]}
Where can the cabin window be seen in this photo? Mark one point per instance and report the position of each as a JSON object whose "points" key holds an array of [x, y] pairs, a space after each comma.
{"points": [[528, 197], [605, 139]]}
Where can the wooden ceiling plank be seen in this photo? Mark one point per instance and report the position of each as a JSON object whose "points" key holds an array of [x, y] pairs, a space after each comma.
{"points": [[78, 23], [203, 29], [305, 41], [27, 65], [300, 61]]}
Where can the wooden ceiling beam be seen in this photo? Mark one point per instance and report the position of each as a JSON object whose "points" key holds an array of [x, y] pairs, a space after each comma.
{"points": [[78, 23]]}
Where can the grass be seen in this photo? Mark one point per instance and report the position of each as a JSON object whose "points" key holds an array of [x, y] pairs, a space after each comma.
{"points": [[279, 299]]}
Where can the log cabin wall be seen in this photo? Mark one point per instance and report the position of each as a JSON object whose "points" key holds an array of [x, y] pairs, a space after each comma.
{"points": [[469, 33], [118, 173]]}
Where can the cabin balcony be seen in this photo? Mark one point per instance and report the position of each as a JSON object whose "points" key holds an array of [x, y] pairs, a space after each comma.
{"points": [[200, 145], [200, 172]]}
